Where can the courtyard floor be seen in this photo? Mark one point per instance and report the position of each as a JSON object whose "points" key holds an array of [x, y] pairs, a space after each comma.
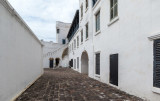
{"points": [[64, 84]]}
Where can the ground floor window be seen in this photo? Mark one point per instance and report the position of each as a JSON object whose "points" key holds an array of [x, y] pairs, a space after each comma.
{"points": [[156, 71], [98, 63], [74, 63], [77, 62]]}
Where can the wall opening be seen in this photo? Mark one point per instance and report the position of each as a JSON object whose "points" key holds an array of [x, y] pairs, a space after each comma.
{"points": [[84, 63], [57, 61], [51, 62]]}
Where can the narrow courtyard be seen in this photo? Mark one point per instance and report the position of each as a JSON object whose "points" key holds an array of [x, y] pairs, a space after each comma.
{"points": [[64, 84]]}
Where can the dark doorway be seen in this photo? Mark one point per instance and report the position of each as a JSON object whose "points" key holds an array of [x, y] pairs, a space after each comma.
{"points": [[57, 61], [71, 63], [51, 62], [114, 69]]}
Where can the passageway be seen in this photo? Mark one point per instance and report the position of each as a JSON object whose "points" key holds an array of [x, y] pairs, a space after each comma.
{"points": [[64, 84]]}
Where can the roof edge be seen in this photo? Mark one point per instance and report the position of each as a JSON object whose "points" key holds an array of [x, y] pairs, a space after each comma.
{"points": [[9, 7]]}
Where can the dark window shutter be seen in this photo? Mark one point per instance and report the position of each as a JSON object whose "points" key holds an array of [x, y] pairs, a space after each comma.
{"points": [[156, 63], [98, 63]]}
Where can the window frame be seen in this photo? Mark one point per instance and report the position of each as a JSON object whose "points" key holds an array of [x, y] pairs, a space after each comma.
{"points": [[77, 62], [155, 70], [74, 43], [93, 3], [87, 30], [113, 8], [58, 30], [87, 4], [77, 41], [81, 10], [63, 41], [98, 21], [82, 36], [96, 72]]}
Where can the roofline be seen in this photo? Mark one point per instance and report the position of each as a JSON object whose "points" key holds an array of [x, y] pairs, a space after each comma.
{"points": [[63, 22], [9, 7], [73, 21]]}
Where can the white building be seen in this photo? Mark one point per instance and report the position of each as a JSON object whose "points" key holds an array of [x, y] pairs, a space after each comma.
{"points": [[117, 42], [20, 54], [52, 52]]}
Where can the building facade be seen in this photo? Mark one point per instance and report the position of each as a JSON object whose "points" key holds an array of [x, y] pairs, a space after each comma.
{"points": [[117, 42], [20, 55], [56, 54]]}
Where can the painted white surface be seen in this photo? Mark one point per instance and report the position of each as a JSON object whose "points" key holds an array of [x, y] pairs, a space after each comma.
{"points": [[20, 54], [63, 31], [56, 54], [55, 50], [127, 36]]}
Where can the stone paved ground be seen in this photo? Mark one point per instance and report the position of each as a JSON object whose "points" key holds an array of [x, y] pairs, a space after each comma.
{"points": [[68, 85]]}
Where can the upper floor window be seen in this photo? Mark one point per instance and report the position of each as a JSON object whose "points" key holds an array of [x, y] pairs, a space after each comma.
{"points": [[94, 2], [98, 21], [63, 41], [58, 30], [74, 44], [77, 41], [81, 35], [82, 11], [113, 9], [87, 31], [86, 4]]}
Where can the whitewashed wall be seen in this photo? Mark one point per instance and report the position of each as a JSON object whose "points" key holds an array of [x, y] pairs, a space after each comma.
{"points": [[127, 36], [63, 31], [20, 54], [56, 54]]}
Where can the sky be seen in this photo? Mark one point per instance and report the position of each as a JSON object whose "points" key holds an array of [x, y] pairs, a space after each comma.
{"points": [[41, 15]]}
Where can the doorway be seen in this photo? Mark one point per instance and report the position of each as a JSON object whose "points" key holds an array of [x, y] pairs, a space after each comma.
{"points": [[57, 61], [114, 69], [51, 62], [84, 63]]}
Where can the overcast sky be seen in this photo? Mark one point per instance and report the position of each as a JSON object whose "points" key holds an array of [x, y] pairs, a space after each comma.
{"points": [[41, 15]]}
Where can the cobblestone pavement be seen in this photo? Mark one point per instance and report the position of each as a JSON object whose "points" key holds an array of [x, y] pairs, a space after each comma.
{"points": [[68, 85]]}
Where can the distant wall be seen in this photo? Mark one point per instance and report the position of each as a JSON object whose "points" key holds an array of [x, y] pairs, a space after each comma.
{"points": [[63, 31], [20, 54]]}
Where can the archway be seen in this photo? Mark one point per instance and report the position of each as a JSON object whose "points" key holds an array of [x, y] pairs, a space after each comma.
{"points": [[57, 61], [51, 62], [84, 62]]}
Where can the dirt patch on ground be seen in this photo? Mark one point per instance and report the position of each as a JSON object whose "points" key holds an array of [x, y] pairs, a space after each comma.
{"points": [[64, 84]]}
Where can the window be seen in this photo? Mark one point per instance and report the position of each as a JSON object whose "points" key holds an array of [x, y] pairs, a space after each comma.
{"points": [[113, 9], [81, 36], [74, 63], [74, 44], [87, 31], [156, 71], [63, 41], [72, 47], [57, 30], [82, 11], [77, 41], [98, 63], [77, 62], [98, 21], [86, 4], [94, 2]]}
